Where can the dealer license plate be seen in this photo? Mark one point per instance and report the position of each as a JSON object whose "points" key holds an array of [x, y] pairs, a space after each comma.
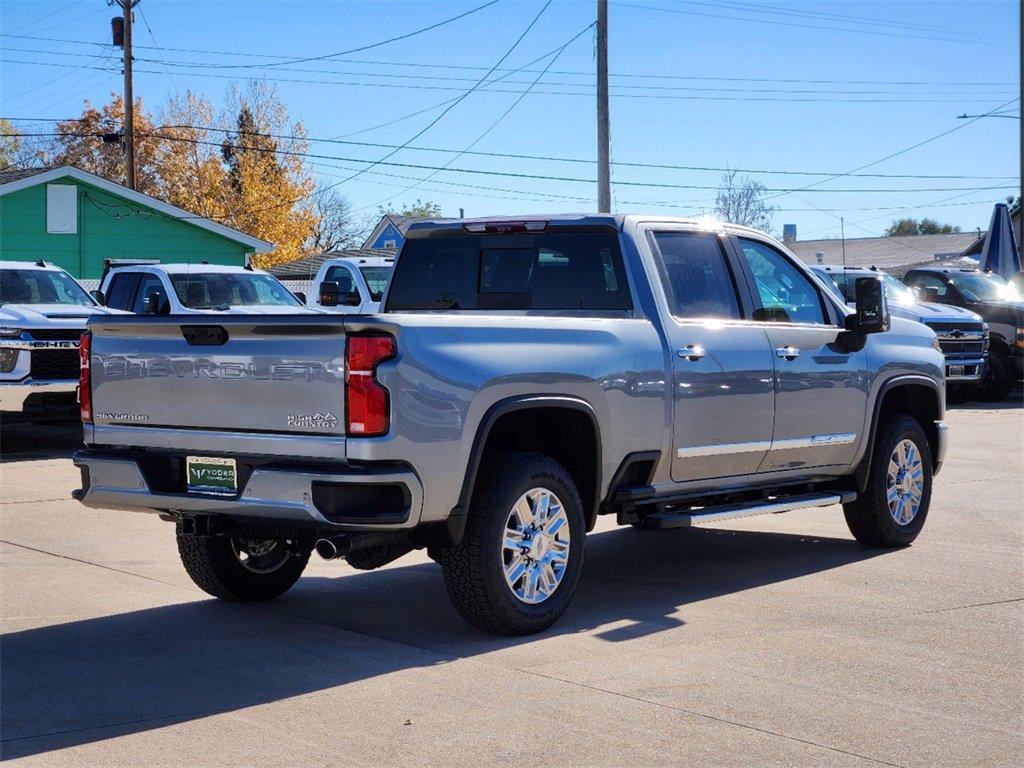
{"points": [[210, 474]]}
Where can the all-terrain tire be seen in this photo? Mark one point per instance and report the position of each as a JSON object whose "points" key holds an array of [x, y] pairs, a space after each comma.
{"points": [[999, 379], [474, 571], [212, 564], [869, 518]]}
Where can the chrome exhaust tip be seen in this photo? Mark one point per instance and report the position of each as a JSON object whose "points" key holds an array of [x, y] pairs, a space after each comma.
{"points": [[333, 548]]}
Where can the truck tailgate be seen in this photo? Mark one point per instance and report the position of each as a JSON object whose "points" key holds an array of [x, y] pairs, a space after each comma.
{"points": [[243, 373]]}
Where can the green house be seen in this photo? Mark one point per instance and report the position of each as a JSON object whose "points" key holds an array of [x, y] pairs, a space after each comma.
{"points": [[76, 220]]}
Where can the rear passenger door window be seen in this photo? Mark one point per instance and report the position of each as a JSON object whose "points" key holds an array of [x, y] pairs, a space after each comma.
{"points": [[696, 275], [121, 291], [786, 294]]}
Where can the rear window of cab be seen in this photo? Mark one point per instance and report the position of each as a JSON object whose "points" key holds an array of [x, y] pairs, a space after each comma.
{"points": [[549, 271]]}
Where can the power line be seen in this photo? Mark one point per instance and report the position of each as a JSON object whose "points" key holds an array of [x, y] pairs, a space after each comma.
{"points": [[423, 65], [716, 89], [618, 95], [519, 175], [776, 10], [899, 152], [500, 118], [934, 204], [394, 39], [704, 14], [549, 158], [47, 15], [643, 75], [447, 109]]}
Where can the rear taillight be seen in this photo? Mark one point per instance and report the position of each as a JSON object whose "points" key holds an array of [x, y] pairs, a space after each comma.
{"points": [[85, 378], [367, 409]]}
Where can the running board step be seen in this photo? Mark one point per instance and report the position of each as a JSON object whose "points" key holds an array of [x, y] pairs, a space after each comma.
{"points": [[746, 509]]}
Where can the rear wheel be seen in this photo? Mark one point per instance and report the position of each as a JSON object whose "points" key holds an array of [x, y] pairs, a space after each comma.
{"points": [[892, 509], [242, 569], [999, 378], [519, 562]]}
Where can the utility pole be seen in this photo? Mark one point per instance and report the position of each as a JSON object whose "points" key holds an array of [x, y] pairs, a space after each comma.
{"points": [[842, 234], [129, 98], [604, 186]]}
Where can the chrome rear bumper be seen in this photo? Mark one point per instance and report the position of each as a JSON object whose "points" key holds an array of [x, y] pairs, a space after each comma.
{"points": [[271, 494]]}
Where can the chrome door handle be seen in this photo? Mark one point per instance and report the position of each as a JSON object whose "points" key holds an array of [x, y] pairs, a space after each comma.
{"points": [[692, 352], [788, 352]]}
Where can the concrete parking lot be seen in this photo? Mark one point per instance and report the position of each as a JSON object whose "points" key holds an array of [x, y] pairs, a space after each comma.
{"points": [[769, 641]]}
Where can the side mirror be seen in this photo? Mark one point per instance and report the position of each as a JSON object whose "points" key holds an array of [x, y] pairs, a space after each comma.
{"points": [[300, 296], [872, 309], [153, 302], [100, 298], [329, 293], [931, 293]]}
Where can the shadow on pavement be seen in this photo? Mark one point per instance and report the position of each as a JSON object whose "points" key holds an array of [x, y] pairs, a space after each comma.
{"points": [[85, 681], [24, 441]]}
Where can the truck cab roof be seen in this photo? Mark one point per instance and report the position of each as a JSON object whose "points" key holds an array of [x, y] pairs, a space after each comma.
{"points": [[567, 222], [181, 269]]}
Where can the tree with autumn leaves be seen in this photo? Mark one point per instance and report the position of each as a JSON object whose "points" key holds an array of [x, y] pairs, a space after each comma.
{"points": [[241, 166]]}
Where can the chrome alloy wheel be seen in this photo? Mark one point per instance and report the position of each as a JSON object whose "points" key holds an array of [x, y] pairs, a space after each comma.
{"points": [[535, 549], [904, 484], [260, 556]]}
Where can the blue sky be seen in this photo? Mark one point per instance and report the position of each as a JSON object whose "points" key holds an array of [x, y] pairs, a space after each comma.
{"points": [[767, 85]]}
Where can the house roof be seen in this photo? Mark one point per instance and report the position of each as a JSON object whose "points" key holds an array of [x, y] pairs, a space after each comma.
{"points": [[307, 267], [20, 173], [401, 223], [45, 176], [882, 252]]}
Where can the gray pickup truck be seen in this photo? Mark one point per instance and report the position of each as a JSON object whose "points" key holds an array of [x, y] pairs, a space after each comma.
{"points": [[522, 378]]}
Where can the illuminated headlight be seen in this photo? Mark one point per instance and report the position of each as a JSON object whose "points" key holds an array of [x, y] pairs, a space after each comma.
{"points": [[10, 333], [8, 360]]}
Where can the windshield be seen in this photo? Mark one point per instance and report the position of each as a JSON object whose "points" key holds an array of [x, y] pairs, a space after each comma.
{"points": [[895, 291], [213, 290], [41, 286], [376, 280], [980, 287]]}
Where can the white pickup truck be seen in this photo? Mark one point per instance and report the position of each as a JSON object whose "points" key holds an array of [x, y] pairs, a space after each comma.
{"points": [[351, 285], [180, 289], [43, 312]]}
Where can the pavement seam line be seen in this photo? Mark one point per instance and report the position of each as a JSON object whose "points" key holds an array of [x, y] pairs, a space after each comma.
{"points": [[36, 501], [972, 605], [453, 657], [597, 689], [115, 724], [89, 562], [715, 718]]}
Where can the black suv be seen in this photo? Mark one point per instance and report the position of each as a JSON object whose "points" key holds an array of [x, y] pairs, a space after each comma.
{"points": [[998, 302]]}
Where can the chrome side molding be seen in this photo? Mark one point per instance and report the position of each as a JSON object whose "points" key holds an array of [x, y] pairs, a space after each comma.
{"points": [[814, 441]]}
